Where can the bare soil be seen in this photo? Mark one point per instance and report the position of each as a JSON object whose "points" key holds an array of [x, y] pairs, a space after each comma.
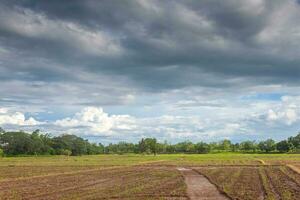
{"points": [[284, 185], [117, 183], [199, 187], [150, 181]]}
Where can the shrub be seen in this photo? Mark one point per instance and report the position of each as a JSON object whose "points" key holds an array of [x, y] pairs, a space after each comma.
{"points": [[1, 153], [65, 152]]}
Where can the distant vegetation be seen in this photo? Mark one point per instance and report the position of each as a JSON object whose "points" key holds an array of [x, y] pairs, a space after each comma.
{"points": [[36, 143]]}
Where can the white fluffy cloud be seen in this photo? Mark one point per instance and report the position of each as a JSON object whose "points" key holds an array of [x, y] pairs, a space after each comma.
{"points": [[16, 118], [203, 121], [95, 121], [286, 112]]}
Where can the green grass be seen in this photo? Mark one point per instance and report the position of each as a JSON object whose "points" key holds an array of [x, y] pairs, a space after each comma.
{"points": [[134, 159], [99, 160]]}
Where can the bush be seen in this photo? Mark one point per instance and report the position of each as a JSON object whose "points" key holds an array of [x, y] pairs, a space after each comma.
{"points": [[284, 146], [1, 153], [65, 152]]}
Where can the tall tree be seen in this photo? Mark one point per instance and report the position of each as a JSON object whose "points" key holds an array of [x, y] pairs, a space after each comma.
{"points": [[2, 130], [267, 145], [202, 147], [295, 141], [151, 145], [142, 146], [284, 146]]}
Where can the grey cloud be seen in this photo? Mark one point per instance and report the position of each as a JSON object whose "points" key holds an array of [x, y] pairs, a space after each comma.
{"points": [[160, 46]]}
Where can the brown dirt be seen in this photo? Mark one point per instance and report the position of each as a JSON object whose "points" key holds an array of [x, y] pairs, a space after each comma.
{"points": [[295, 168], [126, 183], [237, 182], [151, 182], [199, 187], [268, 188], [284, 185]]}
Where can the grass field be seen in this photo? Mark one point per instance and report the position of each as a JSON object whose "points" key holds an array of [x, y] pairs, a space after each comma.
{"points": [[240, 176]]}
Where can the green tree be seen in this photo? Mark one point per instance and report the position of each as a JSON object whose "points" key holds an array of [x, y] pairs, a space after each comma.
{"points": [[235, 147], [151, 145], [267, 145], [2, 130], [142, 146], [248, 146], [72, 143], [162, 147], [14, 143], [122, 148], [100, 148], [93, 149], [37, 143], [202, 147], [79, 146], [295, 141], [47, 144], [225, 145], [214, 146], [170, 148], [65, 152], [185, 147], [284, 146]]}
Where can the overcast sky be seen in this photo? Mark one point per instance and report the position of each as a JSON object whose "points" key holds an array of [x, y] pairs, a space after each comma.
{"points": [[176, 70]]}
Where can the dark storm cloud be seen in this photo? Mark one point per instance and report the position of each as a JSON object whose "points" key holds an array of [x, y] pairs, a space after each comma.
{"points": [[155, 44]]}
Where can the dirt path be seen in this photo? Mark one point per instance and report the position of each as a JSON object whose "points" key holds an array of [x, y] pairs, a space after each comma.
{"points": [[199, 188]]}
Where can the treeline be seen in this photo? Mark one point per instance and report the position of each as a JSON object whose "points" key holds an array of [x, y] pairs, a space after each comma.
{"points": [[36, 143], [150, 145]]}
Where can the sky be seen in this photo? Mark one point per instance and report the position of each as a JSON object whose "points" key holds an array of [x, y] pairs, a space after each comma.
{"points": [[109, 71]]}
